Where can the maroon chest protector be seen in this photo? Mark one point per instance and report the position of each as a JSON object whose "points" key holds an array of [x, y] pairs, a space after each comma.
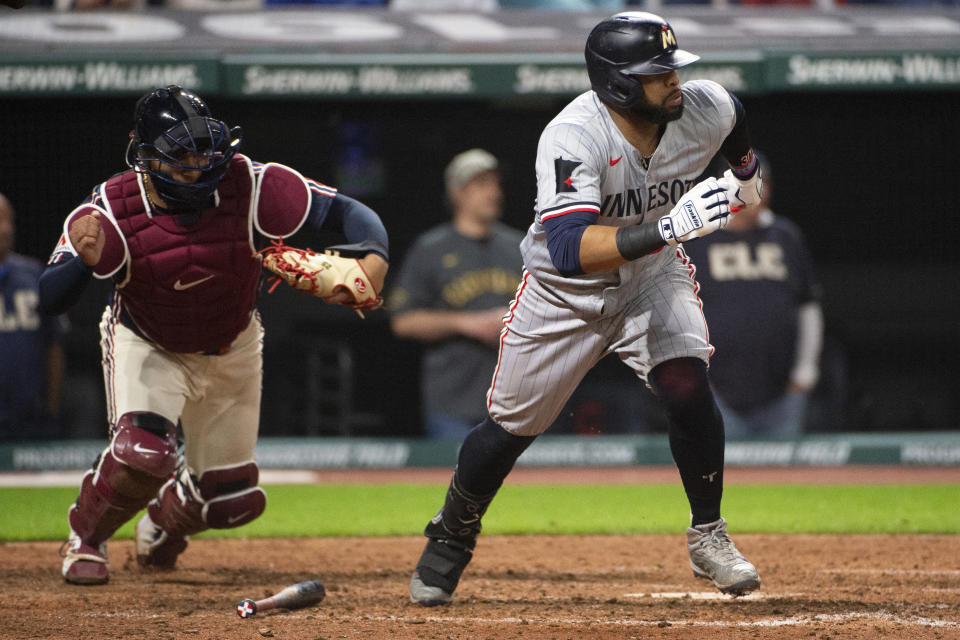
{"points": [[189, 288]]}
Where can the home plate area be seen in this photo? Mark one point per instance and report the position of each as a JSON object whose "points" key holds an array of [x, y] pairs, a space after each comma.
{"points": [[518, 587]]}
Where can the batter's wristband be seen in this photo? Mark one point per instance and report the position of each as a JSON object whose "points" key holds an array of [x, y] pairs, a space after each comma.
{"points": [[639, 240], [748, 170]]}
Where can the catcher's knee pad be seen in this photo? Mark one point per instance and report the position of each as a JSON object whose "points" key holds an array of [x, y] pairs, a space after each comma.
{"points": [[221, 498], [146, 442], [140, 458]]}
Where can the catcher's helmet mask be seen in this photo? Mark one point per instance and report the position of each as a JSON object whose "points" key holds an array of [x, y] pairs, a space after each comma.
{"points": [[628, 44], [175, 128]]}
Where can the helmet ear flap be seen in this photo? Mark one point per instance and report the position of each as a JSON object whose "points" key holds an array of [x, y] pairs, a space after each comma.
{"points": [[622, 90]]}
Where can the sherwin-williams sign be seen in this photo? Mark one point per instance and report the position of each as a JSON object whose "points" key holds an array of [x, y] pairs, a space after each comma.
{"points": [[103, 75], [382, 54], [370, 77], [858, 71], [432, 76]]}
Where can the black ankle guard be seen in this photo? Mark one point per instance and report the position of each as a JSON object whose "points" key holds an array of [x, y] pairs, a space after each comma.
{"points": [[442, 563], [459, 519]]}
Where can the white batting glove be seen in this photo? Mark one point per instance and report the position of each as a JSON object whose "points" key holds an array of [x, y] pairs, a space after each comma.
{"points": [[701, 211], [744, 193]]}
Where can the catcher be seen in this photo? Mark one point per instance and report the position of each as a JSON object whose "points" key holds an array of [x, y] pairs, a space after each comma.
{"points": [[182, 340]]}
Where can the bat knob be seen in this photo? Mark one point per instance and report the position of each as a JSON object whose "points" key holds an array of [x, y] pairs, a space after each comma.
{"points": [[246, 608]]}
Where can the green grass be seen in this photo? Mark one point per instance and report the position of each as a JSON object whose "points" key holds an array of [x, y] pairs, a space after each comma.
{"points": [[396, 510]]}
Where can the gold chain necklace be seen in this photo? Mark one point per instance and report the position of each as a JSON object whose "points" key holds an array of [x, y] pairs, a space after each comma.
{"points": [[147, 188]]}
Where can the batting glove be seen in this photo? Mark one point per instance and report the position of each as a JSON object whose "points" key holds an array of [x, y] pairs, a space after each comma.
{"points": [[701, 211], [744, 193]]}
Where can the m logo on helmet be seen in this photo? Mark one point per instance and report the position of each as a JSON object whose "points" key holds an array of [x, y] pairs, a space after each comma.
{"points": [[667, 39]]}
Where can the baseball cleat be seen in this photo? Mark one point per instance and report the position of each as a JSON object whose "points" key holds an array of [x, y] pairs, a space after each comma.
{"points": [[713, 556], [155, 548], [438, 572], [83, 564], [426, 595]]}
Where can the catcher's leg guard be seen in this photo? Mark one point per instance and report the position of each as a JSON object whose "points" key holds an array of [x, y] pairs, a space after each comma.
{"points": [[141, 456], [221, 499], [452, 536]]}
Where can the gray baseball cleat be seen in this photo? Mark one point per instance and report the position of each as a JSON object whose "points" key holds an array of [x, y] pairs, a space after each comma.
{"points": [[438, 572], [713, 556], [426, 595]]}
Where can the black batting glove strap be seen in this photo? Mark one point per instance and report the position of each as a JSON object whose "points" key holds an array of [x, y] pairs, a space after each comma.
{"points": [[639, 240]]}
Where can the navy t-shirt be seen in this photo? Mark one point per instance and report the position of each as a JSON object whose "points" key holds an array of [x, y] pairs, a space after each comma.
{"points": [[752, 284], [25, 336]]}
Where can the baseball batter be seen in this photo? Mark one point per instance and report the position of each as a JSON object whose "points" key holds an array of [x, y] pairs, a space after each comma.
{"points": [[617, 193], [181, 338]]}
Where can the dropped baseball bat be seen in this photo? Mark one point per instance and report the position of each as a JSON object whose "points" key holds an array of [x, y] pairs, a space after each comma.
{"points": [[297, 596]]}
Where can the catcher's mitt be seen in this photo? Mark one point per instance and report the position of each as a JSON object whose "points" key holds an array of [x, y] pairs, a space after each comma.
{"points": [[321, 274]]}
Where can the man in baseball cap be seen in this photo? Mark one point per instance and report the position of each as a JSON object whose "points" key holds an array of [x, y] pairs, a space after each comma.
{"points": [[466, 166], [454, 287]]}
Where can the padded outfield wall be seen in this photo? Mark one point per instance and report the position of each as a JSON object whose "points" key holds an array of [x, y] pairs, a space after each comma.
{"points": [[856, 109]]}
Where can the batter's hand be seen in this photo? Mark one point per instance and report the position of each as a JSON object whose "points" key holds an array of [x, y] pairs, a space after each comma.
{"points": [[744, 193], [88, 238], [701, 211]]}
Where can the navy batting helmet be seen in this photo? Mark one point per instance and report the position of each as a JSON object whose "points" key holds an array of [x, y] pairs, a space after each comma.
{"points": [[175, 127], [629, 44]]}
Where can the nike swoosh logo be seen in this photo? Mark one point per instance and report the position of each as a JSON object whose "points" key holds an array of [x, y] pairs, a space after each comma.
{"points": [[140, 449], [179, 286], [613, 162], [232, 519]]}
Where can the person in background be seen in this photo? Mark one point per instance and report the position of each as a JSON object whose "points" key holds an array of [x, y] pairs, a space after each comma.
{"points": [[452, 294], [32, 361], [761, 299], [563, 5]]}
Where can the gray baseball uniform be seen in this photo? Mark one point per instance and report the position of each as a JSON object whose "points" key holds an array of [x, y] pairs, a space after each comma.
{"points": [[647, 310]]}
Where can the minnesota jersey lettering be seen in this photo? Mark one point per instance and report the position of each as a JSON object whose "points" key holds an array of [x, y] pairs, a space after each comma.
{"points": [[630, 202]]}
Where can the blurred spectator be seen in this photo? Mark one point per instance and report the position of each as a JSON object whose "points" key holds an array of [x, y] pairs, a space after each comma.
{"points": [[444, 5], [31, 357], [97, 5], [452, 293], [761, 297], [565, 5], [358, 3]]}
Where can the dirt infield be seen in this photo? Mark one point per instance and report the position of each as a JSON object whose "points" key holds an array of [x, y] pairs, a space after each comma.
{"points": [[518, 587], [525, 587]]}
